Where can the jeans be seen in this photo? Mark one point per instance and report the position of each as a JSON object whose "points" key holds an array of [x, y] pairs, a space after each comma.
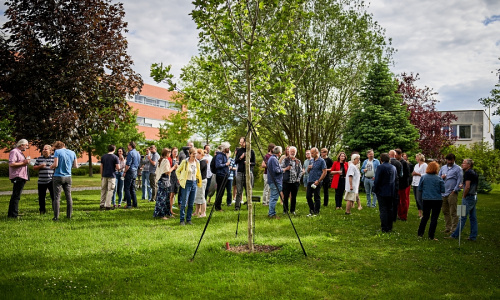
{"points": [[470, 202], [229, 190], [418, 197], [61, 183], [429, 206], [290, 188], [313, 206], [129, 188], [369, 192], [265, 193], [118, 188], [17, 189], [240, 185], [273, 198], [42, 193], [188, 199], [385, 206], [339, 192], [146, 188]]}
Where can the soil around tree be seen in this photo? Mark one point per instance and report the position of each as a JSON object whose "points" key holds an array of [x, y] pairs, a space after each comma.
{"points": [[257, 248]]}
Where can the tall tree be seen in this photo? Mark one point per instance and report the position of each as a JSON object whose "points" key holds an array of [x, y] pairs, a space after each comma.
{"points": [[494, 99], [65, 70], [434, 127], [380, 120]]}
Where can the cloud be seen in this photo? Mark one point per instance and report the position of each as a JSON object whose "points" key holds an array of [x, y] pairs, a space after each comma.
{"points": [[493, 18]]}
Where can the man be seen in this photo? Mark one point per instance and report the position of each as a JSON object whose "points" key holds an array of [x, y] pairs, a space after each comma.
{"points": [[240, 161], [45, 175], [265, 193], [384, 186], [306, 166], [64, 159], [317, 172], [369, 168], [452, 176], [327, 182], [208, 158], [469, 199], [222, 166], [404, 187], [274, 180], [399, 174], [18, 175], [153, 163], [144, 165], [130, 173], [109, 164]]}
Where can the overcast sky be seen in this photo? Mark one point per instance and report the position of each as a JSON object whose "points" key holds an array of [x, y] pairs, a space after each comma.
{"points": [[454, 45]]}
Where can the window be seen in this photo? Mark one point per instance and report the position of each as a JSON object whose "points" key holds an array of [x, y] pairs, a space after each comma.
{"points": [[462, 132], [141, 120], [157, 102]]}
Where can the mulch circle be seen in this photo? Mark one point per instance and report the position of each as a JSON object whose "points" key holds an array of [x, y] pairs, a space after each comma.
{"points": [[257, 248]]}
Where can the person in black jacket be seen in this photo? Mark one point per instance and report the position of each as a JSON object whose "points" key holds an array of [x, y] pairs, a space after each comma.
{"points": [[404, 187], [399, 174], [240, 160], [385, 188]]}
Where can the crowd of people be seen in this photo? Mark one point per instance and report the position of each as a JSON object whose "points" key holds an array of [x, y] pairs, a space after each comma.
{"points": [[189, 174]]}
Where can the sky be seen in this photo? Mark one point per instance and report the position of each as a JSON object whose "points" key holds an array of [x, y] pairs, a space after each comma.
{"points": [[453, 45]]}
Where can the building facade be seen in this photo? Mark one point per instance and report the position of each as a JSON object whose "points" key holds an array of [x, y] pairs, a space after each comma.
{"points": [[472, 126]]}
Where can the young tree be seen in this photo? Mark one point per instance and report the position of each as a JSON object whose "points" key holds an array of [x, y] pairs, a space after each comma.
{"points": [[380, 121], [433, 126], [65, 70], [494, 99]]}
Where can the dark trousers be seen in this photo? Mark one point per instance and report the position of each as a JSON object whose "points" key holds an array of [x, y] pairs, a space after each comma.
{"points": [[42, 193], [313, 206], [220, 191], [290, 188], [326, 188], [129, 187], [434, 207], [385, 207], [339, 192], [15, 197], [395, 204], [209, 180]]}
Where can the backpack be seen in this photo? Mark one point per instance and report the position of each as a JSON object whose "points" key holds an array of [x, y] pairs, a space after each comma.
{"points": [[213, 169]]}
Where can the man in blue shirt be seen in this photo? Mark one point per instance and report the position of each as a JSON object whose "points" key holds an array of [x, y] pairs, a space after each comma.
{"points": [[64, 159], [368, 169], [317, 172], [274, 180], [384, 186], [131, 166], [452, 176]]}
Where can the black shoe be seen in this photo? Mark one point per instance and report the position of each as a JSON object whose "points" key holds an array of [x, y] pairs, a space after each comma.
{"points": [[101, 207], [236, 208], [55, 219]]}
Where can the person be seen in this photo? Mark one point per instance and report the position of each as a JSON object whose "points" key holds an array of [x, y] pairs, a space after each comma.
{"points": [[109, 164], [18, 175], [199, 200], [452, 176], [144, 165], [275, 181], [431, 186], [327, 182], [163, 170], [222, 174], [174, 182], [130, 173], [399, 174], [287, 149], [353, 178], [368, 169], [64, 159], [45, 175], [384, 186], [189, 175], [153, 162], [119, 177], [411, 167], [339, 170], [184, 153], [418, 171], [404, 187], [208, 158], [305, 167], [469, 199], [292, 168], [240, 161], [231, 183], [317, 172], [265, 193]]}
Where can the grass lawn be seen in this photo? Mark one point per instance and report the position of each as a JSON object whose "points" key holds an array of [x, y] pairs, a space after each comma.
{"points": [[128, 254]]}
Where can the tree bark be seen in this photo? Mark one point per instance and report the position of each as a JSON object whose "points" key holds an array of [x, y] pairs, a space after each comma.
{"points": [[90, 162]]}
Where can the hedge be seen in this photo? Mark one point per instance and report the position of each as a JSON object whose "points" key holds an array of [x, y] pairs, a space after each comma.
{"points": [[82, 171]]}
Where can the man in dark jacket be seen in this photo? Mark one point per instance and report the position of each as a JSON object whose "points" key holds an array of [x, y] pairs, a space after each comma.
{"points": [[222, 166], [404, 187], [399, 174], [385, 189], [240, 160]]}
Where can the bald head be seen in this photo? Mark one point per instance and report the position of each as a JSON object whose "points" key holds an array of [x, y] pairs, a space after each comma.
{"points": [[392, 154]]}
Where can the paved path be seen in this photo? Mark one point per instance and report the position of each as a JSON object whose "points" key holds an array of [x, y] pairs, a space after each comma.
{"points": [[93, 188]]}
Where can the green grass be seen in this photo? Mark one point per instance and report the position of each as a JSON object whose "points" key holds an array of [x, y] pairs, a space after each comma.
{"points": [[128, 254]]}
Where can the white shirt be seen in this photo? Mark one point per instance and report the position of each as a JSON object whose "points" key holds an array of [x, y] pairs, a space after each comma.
{"points": [[356, 176], [419, 169], [208, 157]]}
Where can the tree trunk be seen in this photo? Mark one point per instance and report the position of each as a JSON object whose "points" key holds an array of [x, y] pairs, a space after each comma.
{"points": [[247, 164], [89, 150]]}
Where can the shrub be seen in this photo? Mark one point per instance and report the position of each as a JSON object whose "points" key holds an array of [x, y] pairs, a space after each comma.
{"points": [[4, 170]]}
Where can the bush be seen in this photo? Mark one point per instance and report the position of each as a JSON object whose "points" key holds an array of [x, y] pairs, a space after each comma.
{"points": [[4, 170], [483, 187]]}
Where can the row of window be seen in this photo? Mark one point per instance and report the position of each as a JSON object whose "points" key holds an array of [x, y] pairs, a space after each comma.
{"points": [[461, 132], [141, 121], [157, 102]]}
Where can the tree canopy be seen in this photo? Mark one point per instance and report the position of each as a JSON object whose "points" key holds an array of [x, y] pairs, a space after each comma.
{"points": [[494, 99]]}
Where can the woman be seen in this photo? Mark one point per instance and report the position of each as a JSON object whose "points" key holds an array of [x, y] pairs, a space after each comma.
{"points": [[162, 207], [122, 158], [431, 186], [339, 169], [418, 171], [189, 175], [292, 169], [174, 182], [353, 177], [199, 200]]}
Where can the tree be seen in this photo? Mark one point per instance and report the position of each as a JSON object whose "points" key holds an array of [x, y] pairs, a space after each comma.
{"points": [[434, 127], [65, 70], [494, 99], [380, 121], [497, 136], [177, 126]]}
